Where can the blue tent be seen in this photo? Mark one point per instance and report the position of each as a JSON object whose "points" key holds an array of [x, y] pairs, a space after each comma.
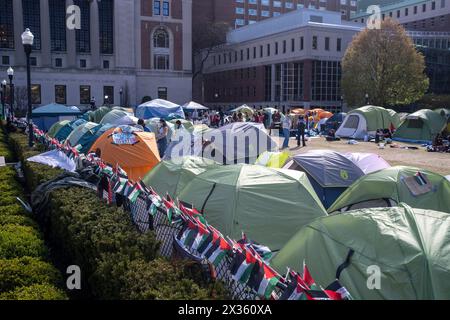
{"points": [[64, 132], [335, 121], [159, 108], [329, 172], [44, 117], [87, 140]]}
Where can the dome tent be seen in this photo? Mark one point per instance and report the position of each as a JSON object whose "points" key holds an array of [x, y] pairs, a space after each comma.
{"points": [[366, 121], [97, 115], [390, 186], [136, 158], [119, 117], [414, 262], [77, 133], [335, 121], [89, 136], [269, 205], [63, 126], [421, 126], [329, 172], [173, 175], [159, 108], [367, 162]]}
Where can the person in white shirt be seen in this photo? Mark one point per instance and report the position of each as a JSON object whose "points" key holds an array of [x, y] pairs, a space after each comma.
{"points": [[287, 124]]}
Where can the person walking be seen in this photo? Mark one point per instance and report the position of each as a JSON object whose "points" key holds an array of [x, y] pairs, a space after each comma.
{"points": [[195, 115], [221, 117], [301, 127], [287, 124], [161, 138]]}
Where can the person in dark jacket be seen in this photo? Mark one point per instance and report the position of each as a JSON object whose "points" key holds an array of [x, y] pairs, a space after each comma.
{"points": [[301, 127]]}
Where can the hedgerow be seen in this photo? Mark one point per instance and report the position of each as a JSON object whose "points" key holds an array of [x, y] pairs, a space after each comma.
{"points": [[43, 291]]}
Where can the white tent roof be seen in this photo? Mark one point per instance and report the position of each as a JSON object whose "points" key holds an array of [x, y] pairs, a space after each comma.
{"points": [[194, 106], [159, 103], [367, 162]]}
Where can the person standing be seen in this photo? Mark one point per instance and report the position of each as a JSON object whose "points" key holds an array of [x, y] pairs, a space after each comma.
{"points": [[195, 115], [287, 124], [161, 138], [221, 116], [301, 127], [141, 125]]}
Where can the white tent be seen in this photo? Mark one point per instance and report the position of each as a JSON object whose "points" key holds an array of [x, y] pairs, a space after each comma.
{"points": [[448, 177], [367, 162], [194, 106], [55, 159]]}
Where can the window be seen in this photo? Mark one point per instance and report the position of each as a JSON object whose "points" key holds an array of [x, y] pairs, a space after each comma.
{"points": [[433, 5], [6, 24], [314, 42], [442, 3], [352, 122], [254, 52], [33, 61], [83, 63], [32, 20], [85, 94], [248, 53], [268, 49], [415, 9], [60, 94], [106, 25], [415, 123], [406, 12], [105, 64], [326, 78], [156, 8], [261, 53], [277, 4], [240, 10], [161, 38], [36, 94], [265, 2], [162, 93], [242, 54], [57, 25], [289, 5], [58, 62], [108, 95], [284, 46], [276, 48], [424, 7], [83, 35], [252, 12], [265, 13], [166, 8], [339, 45], [161, 61], [302, 43], [398, 13], [292, 45], [327, 44], [240, 22], [5, 60]]}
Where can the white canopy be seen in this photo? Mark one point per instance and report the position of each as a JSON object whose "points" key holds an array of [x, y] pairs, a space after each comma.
{"points": [[194, 106]]}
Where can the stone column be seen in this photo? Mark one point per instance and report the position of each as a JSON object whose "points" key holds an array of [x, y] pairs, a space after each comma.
{"points": [[71, 45], [187, 35], [272, 85], [95, 35], [46, 58], [20, 59]]}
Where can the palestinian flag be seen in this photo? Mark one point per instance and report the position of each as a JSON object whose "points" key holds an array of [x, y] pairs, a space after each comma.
{"points": [[337, 287], [128, 189], [296, 289], [119, 186], [156, 202], [263, 280], [242, 266], [308, 279], [120, 172], [172, 210], [108, 170], [137, 190], [262, 251], [188, 234], [218, 251], [202, 235], [210, 240]]}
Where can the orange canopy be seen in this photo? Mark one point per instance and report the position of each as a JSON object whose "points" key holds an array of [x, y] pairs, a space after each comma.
{"points": [[137, 159], [325, 114], [298, 111]]}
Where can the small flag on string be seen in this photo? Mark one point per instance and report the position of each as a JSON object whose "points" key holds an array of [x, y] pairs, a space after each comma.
{"points": [[134, 194]]}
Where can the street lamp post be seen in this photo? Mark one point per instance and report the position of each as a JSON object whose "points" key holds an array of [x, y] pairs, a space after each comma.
{"points": [[27, 41], [3, 96], [10, 73], [367, 99]]}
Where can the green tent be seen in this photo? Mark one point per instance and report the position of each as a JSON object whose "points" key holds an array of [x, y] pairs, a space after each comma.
{"points": [[268, 204], [97, 115], [408, 247], [390, 186], [172, 176], [78, 132], [57, 126], [421, 126]]}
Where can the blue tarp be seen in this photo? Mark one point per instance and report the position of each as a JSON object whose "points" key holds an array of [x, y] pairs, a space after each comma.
{"points": [[159, 108], [44, 117]]}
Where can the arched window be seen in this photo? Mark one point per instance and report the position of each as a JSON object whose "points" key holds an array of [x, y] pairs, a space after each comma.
{"points": [[161, 39]]}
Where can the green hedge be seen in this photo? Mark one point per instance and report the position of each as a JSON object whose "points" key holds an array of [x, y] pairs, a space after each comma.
{"points": [[116, 261], [24, 272]]}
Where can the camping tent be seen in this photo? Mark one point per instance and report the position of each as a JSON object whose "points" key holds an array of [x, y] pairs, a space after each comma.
{"points": [[78, 132], [366, 121], [118, 118], [367, 162], [159, 108], [409, 248], [63, 126], [44, 117], [133, 150], [329, 172], [393, 185], [245, 109], [194, 106], [421, 126], [173, 175], [85, 135], [335, 121], [97, 115], [269, 205]]}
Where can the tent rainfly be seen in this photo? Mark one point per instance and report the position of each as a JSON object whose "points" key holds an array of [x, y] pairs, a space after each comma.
{"points": [[421, 127], [159, 108]]}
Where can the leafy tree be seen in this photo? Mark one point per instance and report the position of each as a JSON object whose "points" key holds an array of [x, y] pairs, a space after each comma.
{"points": [[384, 64]]}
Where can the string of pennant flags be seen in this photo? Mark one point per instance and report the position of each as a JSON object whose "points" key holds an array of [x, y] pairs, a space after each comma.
{"points": [[244, 264]]}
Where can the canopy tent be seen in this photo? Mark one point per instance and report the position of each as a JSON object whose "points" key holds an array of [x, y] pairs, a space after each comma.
{"points": [[366, 121], [329, 172], [421, 127], [170, 177], [136, 158], [367, 162], [325, 115], [77, 133], [298, 111], [408, 246], [269, 205], [245, 109], [239, 142], [390, 186], [335, 121], [44, 117], [159, 108], [118, 118], [97, 115], [194, 106]]}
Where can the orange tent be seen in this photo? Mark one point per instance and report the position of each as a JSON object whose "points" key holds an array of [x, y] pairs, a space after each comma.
{"points": [[325, 114], [137, 159]]}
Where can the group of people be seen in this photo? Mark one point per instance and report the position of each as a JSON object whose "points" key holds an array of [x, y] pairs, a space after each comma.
{"points": [[161, 134], [209, 118], [300, 126]]}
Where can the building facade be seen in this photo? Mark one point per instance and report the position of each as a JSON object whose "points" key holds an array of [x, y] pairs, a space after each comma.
{"points": [[238, 13], [289, 61], [124, 50]]}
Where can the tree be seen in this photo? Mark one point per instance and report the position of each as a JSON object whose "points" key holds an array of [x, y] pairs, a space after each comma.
{"points": [[206, 36], [384, 64]]}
